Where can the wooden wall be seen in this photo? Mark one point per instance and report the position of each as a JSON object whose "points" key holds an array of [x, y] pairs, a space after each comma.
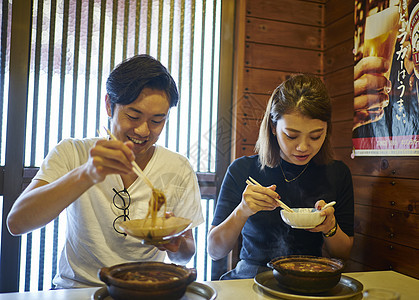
{"points": [[276, 38]]}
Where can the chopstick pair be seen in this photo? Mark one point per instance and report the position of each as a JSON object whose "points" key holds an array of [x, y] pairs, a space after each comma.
{"points": [[251, 181], [136, 168]]}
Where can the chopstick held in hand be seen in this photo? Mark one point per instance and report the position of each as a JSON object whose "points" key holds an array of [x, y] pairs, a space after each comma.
{"points": [[251, 181], [158, 198], [136, 168]]}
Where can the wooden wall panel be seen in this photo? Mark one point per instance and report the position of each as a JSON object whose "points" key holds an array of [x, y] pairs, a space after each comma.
{"points": [[252, 106], [335, 10], [245, 150], [342, 107], [277, 39], [338, 82], [384, 166], [339, 57], [283, 34], [386, 192], [342, 134], [302, 12], [388, 224], [344, 154], [248, 131], [339, 31], [282, 58], [379, 254], [262, 81]]}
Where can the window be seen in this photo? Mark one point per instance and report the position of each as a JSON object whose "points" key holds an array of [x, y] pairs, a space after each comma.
{"points": [[5, 25]]}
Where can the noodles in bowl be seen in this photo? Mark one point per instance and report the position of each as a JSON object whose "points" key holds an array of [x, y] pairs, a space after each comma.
{"points": [[153, 229], [158, 199]]}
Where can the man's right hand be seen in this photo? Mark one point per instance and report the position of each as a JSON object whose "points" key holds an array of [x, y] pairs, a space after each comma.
{"points": [[109, 157]]}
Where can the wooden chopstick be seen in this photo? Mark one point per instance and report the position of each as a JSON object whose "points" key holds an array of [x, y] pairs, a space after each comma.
{"points": [[254, 181], [251, 181], [136, 168]]}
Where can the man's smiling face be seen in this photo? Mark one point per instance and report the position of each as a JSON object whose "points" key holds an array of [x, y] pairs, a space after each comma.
{"points": [[141, 121]]}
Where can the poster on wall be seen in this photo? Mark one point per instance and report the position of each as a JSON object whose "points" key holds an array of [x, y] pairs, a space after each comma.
{"points": [[386, 78]]}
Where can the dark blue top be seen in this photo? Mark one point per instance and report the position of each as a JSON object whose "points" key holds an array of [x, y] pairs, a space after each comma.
{"points": [[265, 235]]}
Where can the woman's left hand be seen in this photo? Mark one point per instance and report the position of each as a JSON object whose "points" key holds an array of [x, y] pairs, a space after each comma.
{"points": [[329, 221]]}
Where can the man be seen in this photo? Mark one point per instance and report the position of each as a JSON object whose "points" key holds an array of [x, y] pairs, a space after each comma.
{"points": [[93, 180]]}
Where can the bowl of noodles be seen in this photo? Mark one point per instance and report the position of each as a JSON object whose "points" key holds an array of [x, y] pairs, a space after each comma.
{"points": [[147, 280], [153, 229], [157, 230]]}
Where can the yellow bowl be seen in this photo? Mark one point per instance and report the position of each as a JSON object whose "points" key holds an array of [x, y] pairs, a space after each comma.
{"points": [[163, 229], [303, 218]]}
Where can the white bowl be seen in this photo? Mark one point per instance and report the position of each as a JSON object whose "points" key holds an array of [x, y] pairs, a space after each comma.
{"points": [[163, 229], [303, 218]]}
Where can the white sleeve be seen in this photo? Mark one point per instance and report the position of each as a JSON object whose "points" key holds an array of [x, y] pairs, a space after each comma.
{"points": [[57, 163]]}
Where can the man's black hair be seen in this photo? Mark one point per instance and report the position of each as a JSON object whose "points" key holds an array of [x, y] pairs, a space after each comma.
{"points": [[131, 76]]}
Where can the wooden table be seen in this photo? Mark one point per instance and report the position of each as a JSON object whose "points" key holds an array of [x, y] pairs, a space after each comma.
{"points": [[245, 289]]}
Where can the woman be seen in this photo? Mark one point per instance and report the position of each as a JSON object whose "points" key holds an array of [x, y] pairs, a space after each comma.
{"points": [[294, 164]]}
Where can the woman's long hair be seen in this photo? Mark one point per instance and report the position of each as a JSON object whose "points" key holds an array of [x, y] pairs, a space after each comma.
{"points": [[304, 94]]}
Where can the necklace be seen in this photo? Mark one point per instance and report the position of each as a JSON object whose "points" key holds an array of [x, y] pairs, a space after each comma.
{"points": [[295, 178]]}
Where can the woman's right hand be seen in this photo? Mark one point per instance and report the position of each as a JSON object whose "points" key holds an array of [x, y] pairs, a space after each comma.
{"points": [[257, 198], [109, 157], [223, 237]]}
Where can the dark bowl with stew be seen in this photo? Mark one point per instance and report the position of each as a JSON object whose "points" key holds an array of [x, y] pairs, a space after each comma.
{"points": [[307, 274], [147, 280]]}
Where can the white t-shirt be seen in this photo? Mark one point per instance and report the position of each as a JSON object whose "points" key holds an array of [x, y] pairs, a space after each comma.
{"points": [[91, 241]]}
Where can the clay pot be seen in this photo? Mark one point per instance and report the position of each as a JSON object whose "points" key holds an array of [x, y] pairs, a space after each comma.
{"points": [[147, 280], [307, 274]]}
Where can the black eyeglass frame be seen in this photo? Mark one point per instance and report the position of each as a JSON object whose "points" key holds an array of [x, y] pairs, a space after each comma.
{"points": [[124, 208]]}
